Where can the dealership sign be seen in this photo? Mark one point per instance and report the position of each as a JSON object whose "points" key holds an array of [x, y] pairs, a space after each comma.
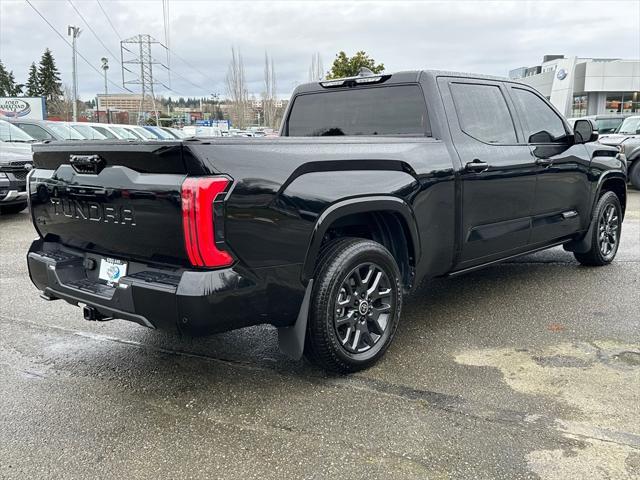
{"points": [[31, 108]]}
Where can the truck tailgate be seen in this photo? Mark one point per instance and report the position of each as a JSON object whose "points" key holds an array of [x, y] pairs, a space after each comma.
{"points": [[120, 199]]}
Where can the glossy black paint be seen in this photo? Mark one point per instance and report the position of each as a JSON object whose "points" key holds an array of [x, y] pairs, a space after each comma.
{"points": [[288, 193]]}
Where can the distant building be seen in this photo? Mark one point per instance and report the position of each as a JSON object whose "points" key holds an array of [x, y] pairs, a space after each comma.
{"points": [[585, 86], [129, 102]]}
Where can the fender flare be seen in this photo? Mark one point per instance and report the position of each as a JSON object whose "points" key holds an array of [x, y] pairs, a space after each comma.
{"points": [[370, 203]]}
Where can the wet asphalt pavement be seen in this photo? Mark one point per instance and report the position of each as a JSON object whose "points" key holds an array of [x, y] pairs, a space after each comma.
{"points": [[529, 369]]}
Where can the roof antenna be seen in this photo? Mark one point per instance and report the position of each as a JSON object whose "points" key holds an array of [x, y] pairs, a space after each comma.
{"points": [[364, 72]]}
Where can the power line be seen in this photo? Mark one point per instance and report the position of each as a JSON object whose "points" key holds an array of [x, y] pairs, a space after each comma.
{"points": [[94, 33], [67, 42], [180, 76], [188, 64], [109, 20], [166, 20], [165, 17]]}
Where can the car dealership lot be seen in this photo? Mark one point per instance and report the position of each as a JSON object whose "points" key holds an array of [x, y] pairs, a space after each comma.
{"points": [[522, 370]]}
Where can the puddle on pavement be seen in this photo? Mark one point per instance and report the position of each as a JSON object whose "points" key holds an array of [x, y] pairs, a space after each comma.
{"points": [[599, 379]]}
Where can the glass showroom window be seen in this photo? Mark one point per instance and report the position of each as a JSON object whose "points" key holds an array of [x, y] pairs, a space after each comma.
{"points": [[579, 107], [627, 102]]}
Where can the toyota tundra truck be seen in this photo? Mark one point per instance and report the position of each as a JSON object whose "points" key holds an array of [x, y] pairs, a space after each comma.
{"points": [[376, 183]]}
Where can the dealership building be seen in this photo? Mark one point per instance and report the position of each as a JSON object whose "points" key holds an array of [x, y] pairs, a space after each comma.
{"points": [[585, 86]]}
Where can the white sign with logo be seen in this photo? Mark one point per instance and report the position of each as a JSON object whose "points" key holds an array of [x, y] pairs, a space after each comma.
{"points": [[26, 108]]}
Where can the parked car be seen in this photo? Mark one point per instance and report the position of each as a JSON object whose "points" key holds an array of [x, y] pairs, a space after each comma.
{"points": [[627, 140], [123, 132], [47, 130], [15, 163], [376, 183], [143, 132], [87, 131], [176, 133], [159, 132], [606, 123]]}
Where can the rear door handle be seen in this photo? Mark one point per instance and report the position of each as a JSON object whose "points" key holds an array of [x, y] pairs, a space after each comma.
{"points": [[477, 166]]}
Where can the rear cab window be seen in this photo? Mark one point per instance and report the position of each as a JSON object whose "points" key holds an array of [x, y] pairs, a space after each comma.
{"points": [[390, 110]]}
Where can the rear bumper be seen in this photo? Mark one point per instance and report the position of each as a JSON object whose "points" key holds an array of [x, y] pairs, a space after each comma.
{"points": [[197, 302]]}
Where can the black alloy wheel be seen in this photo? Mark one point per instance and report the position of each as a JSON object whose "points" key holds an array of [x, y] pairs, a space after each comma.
{"points": [[363, 308], [608, 231]]}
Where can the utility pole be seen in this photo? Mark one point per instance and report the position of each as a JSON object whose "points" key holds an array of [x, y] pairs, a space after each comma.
{"points": [[105, 67], [74, 33]]}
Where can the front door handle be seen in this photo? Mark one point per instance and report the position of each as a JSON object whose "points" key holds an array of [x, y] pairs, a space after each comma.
{"points": [[477, 166]]}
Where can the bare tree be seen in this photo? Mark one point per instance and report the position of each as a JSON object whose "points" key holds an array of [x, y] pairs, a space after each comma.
{"points": [[237, 89], [269, 96], [63, 106], [316, 70]]}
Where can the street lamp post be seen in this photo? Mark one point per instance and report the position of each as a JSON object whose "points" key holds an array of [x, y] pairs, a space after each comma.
{"points": [[74, 33], [105, 67]]}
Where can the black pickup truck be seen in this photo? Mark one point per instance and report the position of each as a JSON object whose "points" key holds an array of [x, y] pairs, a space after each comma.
{"points": [[377, 182]]}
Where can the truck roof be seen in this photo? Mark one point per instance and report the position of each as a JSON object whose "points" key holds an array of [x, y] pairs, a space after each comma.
{"points": [[407, 76]]}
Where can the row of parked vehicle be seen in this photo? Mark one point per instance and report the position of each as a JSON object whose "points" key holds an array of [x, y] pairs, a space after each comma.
{"points": [[41, 130]]}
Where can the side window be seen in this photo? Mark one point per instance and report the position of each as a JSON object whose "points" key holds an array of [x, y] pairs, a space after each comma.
{"points": [[483, 113], [541, 124]]}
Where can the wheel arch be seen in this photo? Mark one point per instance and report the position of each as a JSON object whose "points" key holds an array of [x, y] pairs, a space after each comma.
{"points": [[391, 221], [615, 182]]}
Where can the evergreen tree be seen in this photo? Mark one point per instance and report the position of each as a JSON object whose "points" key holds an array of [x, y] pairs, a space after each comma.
{"points": [[8, 86], [344, 66], [13, 89], [4, 75], [33, 82], [49, 78]]}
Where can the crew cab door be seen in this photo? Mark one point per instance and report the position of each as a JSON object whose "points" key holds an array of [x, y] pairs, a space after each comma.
{"points": [[497, 174], [562, 199]]}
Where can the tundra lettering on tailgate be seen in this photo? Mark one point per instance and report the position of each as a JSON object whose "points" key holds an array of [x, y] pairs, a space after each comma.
{"points": [[93, 211]]}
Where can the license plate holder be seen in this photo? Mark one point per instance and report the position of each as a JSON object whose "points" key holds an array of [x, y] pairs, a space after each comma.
{"points": [[112, 270]]}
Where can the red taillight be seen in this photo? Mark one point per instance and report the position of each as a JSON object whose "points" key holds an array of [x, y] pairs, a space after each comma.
{"points": [[198, 195]]}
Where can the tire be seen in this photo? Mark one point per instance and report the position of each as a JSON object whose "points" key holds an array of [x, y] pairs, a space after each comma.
{"points": [[634, 174], [352, 337], [605, 233], [12, 209]]}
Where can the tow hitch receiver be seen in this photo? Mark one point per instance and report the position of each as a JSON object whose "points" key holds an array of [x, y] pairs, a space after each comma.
{"points": [[93, 315]]}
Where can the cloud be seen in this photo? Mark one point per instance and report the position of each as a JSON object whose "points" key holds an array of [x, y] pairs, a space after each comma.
{"points": [[482, 37]]}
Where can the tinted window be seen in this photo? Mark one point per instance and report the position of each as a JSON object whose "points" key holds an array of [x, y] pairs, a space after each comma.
{"points": [[360, 111], [35, 131], [541, 124], [483, 112]]}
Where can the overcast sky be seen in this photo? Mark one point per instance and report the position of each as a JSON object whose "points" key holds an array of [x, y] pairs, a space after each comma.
{"points": [[472, 36]]}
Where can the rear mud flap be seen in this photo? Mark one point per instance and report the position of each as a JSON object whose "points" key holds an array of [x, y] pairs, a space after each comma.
{"points": [[291, 339]]}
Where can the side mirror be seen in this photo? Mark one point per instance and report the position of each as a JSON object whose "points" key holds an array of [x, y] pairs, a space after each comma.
{"points": [[585, 130]]}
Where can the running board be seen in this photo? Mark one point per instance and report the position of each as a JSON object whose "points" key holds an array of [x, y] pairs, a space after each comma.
{"points": [[500, 260]]}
